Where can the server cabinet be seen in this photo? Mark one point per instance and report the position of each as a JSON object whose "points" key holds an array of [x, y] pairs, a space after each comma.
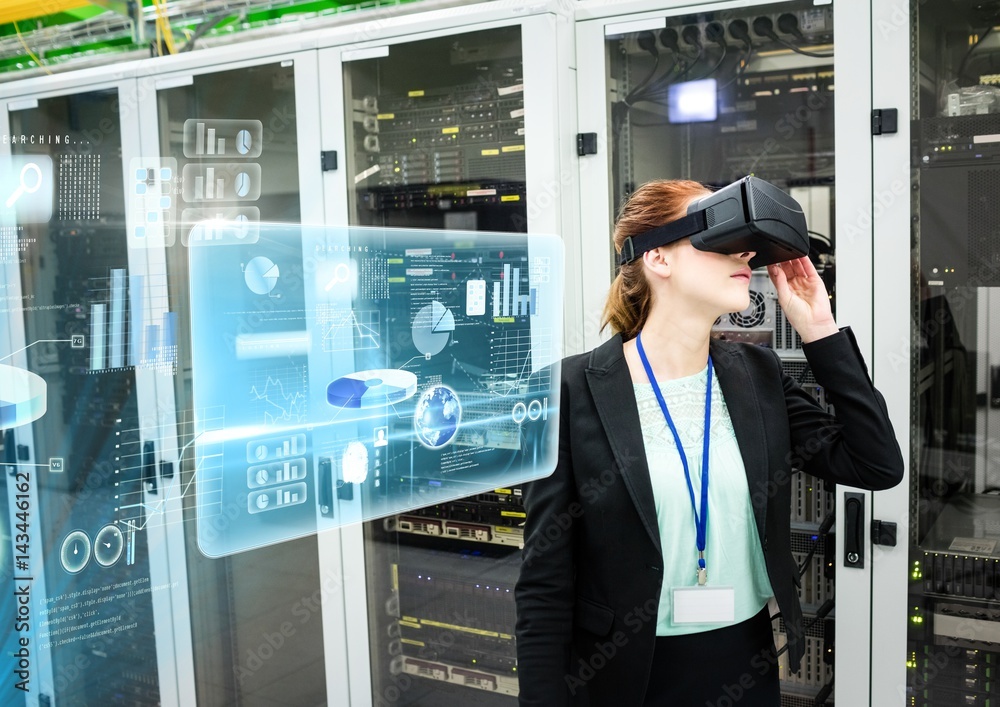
{"points": [[130, 609], [264, 611], [90, 570], [235, 137], [458, 127], [713, 93], [936, 200]]}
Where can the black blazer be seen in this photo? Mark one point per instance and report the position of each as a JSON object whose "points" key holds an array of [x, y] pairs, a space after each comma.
{"points": [[592, 567]]}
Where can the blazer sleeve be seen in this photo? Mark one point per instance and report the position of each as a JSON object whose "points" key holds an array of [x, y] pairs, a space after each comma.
{"points": [[856, 445], [544, 593]]}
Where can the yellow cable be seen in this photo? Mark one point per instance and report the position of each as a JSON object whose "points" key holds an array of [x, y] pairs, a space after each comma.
{"points": [[30, 53], [168, 34], [159, 42], [159, 29]]}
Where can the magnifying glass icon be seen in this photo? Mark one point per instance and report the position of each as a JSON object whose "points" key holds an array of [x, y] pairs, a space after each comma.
{"points": [[23, 187], [341, 273]]}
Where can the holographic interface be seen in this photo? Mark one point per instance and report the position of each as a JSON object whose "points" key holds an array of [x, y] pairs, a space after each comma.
{"points": [[346, 374]]}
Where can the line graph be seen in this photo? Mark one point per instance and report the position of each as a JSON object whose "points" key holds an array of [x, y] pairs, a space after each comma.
{"points": [[347, 330], [281, 396], [139, 472]]}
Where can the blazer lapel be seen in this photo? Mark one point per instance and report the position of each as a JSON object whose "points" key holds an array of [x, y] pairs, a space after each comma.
{"points": [[739, 390], [611, 387]]}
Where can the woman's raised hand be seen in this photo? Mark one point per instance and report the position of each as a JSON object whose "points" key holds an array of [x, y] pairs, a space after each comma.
{"points": [[803, 298]]}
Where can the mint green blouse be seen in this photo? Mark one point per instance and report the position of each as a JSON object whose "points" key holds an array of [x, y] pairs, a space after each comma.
{"points": [[733, 554]]}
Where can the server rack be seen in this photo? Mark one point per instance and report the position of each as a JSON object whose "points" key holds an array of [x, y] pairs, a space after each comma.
{"points": [[224, 613], [943, 210], [443, 131]]}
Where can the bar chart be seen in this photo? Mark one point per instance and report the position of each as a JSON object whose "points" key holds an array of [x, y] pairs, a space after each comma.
{"points": [[508, 299], [273, 499], [223, 138], [128, 324], [261, 450], [220, 226], [272, 463], [232, 181], [277, 473]]}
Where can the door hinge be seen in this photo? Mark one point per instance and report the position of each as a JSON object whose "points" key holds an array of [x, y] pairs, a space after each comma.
{"points": [[328, 159], [586, 144], [883, 533], [885, 121]]}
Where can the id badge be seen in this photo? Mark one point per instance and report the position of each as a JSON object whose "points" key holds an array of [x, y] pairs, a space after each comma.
{"points": [[704, 605]]}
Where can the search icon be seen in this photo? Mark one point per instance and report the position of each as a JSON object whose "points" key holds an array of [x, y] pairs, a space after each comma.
{"points": [[341, 273], [23, 187]]}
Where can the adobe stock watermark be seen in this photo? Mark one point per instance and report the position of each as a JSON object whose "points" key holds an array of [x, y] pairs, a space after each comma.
{"points": [[761, 663], [544, 539], [605, 651], [273, 641]]}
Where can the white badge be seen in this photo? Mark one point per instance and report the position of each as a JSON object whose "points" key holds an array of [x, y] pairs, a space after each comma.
{"points": [[704, 605]]}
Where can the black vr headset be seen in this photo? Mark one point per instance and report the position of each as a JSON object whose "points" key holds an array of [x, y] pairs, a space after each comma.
{"points": [[748, 215]]}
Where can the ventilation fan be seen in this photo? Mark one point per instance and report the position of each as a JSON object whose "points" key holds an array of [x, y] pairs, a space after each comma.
{"points": [[753, 316]]}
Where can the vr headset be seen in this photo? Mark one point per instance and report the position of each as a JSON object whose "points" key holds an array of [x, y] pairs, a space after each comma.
{"points": [[748, 215]]}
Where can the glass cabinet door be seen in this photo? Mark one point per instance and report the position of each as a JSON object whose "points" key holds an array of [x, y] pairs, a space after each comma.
{"points": [[715, 96], [436, 133], [232, 141], [70, 409], [953, 576], [436, 140]]}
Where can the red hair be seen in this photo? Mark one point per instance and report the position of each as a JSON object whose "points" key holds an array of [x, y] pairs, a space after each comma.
{"points": [[653, 204]]}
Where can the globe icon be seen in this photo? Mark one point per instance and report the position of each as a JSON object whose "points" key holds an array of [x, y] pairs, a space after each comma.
{"points": [[437, 416]]}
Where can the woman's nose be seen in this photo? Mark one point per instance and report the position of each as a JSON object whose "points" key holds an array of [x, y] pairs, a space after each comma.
{"points": [[747, 255]]}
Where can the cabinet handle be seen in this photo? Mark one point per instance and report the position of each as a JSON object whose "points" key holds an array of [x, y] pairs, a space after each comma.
{"points": [[854, 530]]}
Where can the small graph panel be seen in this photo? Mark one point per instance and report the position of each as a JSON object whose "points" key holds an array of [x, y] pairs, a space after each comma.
{"points": [[347, 330], [281, 395], [223, 138]]}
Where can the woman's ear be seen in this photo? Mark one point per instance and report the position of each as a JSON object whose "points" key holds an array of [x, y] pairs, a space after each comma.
{"points": [[657, 260]]}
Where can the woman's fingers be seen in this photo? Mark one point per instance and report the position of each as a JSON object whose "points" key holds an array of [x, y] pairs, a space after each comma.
{"points": [[779, 278], [800, 268]]}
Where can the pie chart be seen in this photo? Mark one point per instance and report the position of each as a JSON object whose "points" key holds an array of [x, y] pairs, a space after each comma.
{"points": [[241, 224], [22, 397], [261, 275], [371, 389], [432, 328], [243, 142]]}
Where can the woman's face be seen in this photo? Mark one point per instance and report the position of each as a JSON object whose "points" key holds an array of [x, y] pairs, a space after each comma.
{"points": [[713, 283]]}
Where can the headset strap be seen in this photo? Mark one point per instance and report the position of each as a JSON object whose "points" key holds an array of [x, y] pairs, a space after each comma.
{"points": [[635, 246]]}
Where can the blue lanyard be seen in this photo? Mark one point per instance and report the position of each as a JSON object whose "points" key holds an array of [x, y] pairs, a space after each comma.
{"points": [[700, 518]]}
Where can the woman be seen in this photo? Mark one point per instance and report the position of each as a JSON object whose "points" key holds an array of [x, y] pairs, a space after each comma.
{"points": [[637, 589]]}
